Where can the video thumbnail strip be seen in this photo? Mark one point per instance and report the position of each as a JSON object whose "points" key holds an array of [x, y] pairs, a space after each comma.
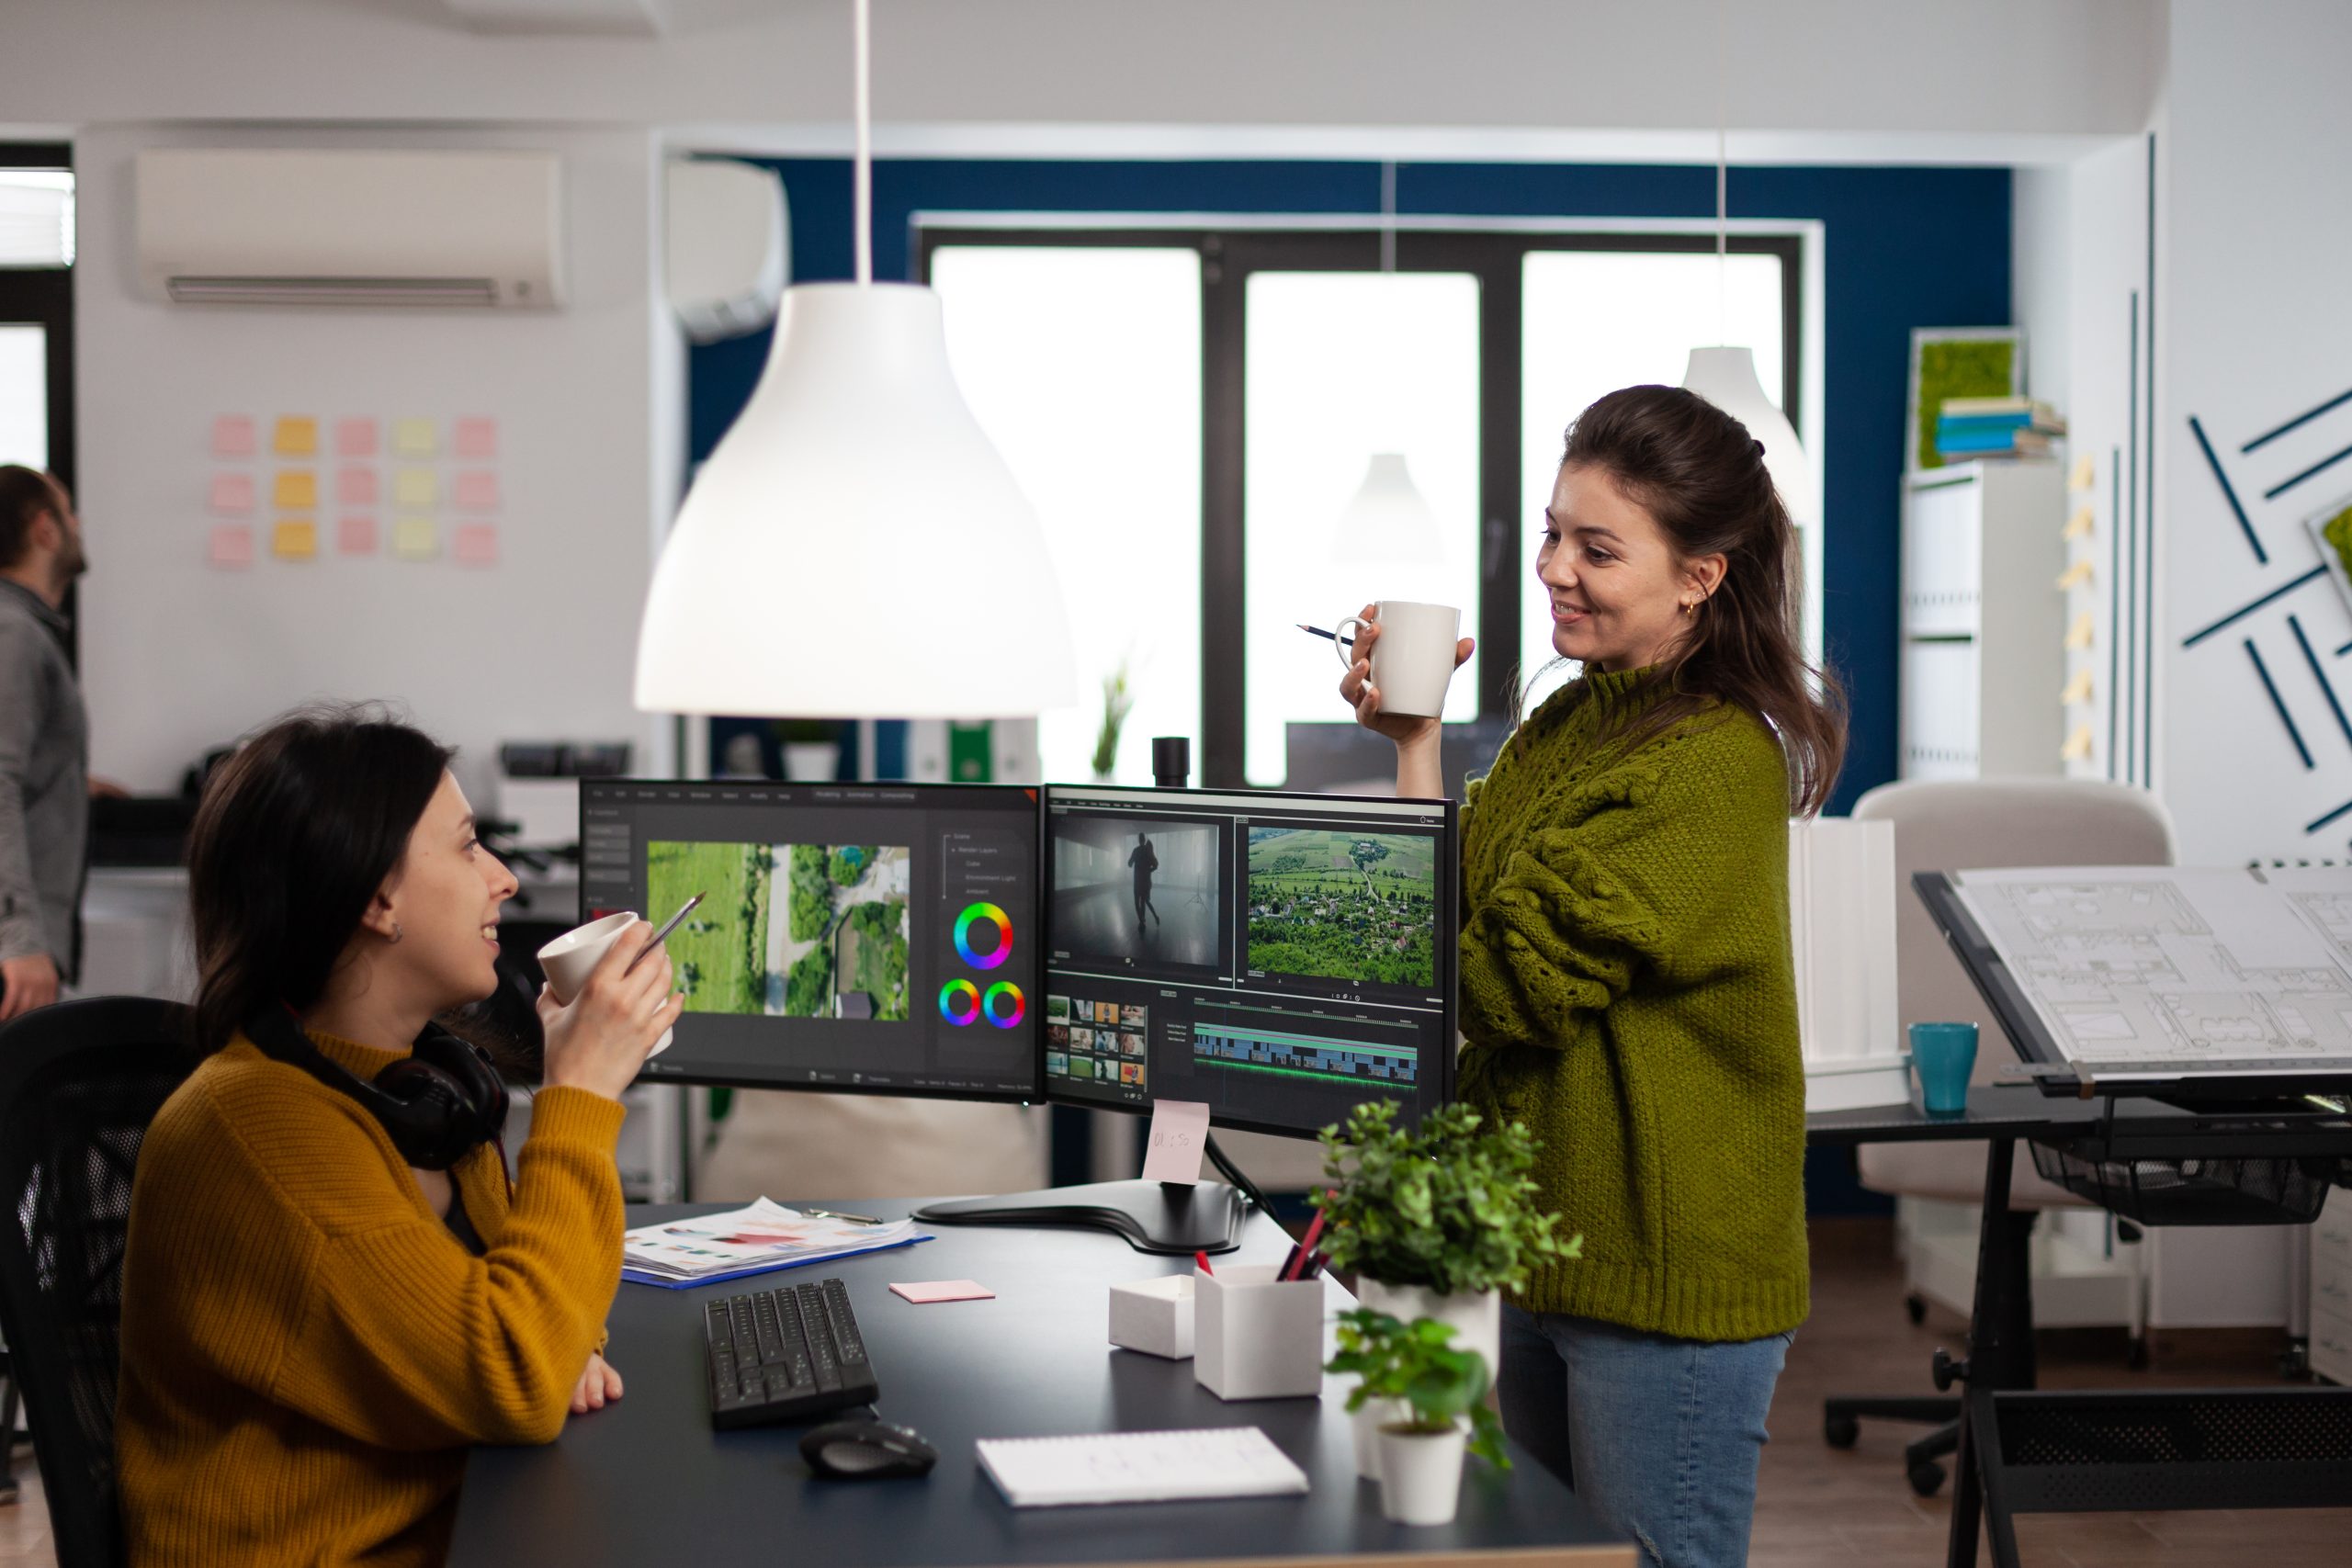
{"points": [[1302, 1055]]}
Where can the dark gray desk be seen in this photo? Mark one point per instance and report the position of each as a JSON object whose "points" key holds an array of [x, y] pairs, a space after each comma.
{"points": [[648, 1481]]}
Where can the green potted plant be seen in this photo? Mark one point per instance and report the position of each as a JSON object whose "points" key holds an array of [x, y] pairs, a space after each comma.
{"points": [[1118, 700], [1435, 1222], [812, 747], [1433, 1398]]}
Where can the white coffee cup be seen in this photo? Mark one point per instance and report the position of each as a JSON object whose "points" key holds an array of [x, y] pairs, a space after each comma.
{"points": [[570, 958], [1412, 663]]}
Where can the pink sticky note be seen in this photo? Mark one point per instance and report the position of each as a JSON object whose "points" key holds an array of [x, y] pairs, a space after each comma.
{"points": [[356, 536], [476, 544], [355, 486], [232, 494], [478, 490], [355, 438], [233, 436], [1180, 1132], [944, 1290], [232, 546], [476, 436]]}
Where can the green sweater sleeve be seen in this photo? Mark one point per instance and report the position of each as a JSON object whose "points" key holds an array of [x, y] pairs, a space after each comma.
{"points": [[1614, 880]]}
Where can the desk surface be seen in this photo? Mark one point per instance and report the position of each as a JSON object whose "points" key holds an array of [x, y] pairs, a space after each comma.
{"points": [[1994, 1111], [648, 1481]]}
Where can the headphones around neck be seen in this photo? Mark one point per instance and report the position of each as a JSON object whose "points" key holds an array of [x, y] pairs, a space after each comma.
{"points": [[438, 1103]]}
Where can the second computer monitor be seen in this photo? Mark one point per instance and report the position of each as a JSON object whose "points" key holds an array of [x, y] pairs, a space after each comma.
{"points": [[1281, 957]]}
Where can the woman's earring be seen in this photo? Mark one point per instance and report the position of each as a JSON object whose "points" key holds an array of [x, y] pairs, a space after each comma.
{"points": [[1690, 607], [396, 931]]}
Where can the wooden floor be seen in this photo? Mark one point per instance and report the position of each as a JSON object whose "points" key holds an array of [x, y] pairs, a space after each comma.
{"points": [[1818, 1507]]}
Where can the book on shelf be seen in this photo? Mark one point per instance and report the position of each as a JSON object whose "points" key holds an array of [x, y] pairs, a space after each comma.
{"points": [[2005, 444], [1966, 407]]}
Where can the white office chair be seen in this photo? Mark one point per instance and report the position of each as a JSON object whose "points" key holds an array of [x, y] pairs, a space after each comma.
{"points": [[1961, 826]]}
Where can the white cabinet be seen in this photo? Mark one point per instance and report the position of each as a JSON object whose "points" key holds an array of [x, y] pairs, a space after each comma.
{"points": [[1983, 620]]}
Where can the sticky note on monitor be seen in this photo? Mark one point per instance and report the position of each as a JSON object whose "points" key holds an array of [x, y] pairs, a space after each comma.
{"points": [[233, 436], [295, 538], [414, 439], [355, 486], [295, 489], [477, 490], [355, 437], [476, 436], [475, 544], [415, 538], [232, 494], [297, 435], [356, 536], [1179, 1136], [230, 546], [415, 487]]}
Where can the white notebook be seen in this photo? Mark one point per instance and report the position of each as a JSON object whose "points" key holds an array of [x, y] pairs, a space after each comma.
{"points": [[1139, 1467]]}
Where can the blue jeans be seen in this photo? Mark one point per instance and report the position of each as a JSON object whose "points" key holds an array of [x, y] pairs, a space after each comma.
{"points": [[1658, 1435]]}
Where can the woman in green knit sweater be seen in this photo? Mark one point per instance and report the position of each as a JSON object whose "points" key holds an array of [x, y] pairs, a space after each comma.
{"points": [[1626, 984]]}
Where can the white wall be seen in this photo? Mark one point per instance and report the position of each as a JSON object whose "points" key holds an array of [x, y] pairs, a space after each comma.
{"points": [[180, 658], [1808, 76]]}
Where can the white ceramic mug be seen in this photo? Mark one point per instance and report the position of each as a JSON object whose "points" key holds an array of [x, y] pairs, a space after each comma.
{"points": [[1413, 662], [570, 958]]}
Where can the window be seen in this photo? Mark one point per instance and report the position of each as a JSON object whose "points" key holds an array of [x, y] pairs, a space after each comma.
{"points": [[1192, 409]]}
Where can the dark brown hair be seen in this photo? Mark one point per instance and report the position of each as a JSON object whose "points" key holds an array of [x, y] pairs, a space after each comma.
{"points": [[1701, 476], [295, 834], [24, 494]]}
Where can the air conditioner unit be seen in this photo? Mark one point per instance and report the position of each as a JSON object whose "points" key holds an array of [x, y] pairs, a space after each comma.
{"points": [[284, 226]]}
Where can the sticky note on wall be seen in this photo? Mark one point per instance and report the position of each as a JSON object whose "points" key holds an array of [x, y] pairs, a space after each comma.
{"points": [[415, 487], [2079, 525], [295, 538], [476, 436], [478, 490], [356, 536], [414, 538], [2080, 635], [297, 490], [475, 544], [2078, 690], [355, 438], [2075, 576], [2079, 745], [414, 438], [355, 486], [297, 436], [232, 494], [232, 436], [230, 548]]}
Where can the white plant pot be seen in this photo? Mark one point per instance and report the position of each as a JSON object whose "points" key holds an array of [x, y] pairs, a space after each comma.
{"points": [[1421, 1476], [1366, 1420], [811, 761], [1476, 1318]]}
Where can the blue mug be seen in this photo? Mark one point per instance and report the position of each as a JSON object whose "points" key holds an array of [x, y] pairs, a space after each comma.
{"points": [[1944, 1054]]}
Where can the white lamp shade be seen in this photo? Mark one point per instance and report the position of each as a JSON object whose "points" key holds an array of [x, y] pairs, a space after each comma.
{"points": [[1726, 378], [855, 548], [1387, 519]]}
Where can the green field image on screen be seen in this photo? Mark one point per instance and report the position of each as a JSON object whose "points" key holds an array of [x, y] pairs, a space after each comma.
{"points": [[829, 942], [1344, 905]]}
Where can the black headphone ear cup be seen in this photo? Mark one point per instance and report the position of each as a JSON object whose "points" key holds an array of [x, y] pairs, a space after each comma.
{"points": [[475, 1076], [430, 1120]]}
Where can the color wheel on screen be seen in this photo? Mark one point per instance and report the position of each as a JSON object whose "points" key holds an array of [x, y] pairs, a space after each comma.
{"points": [[959, 1002], [974, 916], [1003, 1004]]}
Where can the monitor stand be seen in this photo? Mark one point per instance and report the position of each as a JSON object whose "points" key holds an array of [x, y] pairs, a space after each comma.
{"points": [[1166, 1218]]}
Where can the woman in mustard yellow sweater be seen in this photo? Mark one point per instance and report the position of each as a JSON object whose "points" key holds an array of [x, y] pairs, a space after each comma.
{"points": [[330, 1290]]}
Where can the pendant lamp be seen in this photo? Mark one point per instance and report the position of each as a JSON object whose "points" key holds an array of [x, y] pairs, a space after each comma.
{"points": [[1388, 521], [856, 546], [1725, 376]]}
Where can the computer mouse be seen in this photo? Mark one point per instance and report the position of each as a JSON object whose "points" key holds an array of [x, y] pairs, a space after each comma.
{"points": [[861, 1450]]}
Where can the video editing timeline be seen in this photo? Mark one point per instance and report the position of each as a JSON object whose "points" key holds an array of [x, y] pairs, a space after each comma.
{"points": [[1281, 957], [852, 937]]}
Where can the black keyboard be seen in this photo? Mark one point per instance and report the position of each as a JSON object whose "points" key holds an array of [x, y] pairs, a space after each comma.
{"points": [[784, 1354]]}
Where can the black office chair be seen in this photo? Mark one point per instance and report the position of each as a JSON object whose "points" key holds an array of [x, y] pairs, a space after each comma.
{"points": [[79, 1083]]}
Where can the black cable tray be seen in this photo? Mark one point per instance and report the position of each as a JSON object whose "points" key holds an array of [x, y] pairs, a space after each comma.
{"points": [[2269, 1190], [2240, 1449]]}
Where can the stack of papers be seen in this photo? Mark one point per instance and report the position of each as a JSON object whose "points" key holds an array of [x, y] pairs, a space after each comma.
{"points": [[750, 1241]]}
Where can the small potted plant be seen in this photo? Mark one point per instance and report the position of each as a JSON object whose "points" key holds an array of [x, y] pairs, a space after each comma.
{"points": [[1118, 700], [812, 748], [1436, 1397]]}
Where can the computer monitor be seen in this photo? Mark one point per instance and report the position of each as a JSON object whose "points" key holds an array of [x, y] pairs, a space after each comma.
{"points": [[1281, 957], [856, 938]]}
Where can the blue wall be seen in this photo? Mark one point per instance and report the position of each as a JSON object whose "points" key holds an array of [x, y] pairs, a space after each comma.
{"points": [[1906, 248]]}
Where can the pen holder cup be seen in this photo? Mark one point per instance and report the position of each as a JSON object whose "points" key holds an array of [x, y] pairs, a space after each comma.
{"points": [[1255, 1338], [1154, 1317]]}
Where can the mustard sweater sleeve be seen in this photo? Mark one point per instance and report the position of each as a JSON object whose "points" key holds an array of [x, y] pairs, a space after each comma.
{"points": [[1614, 876], [406, 1341]]}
